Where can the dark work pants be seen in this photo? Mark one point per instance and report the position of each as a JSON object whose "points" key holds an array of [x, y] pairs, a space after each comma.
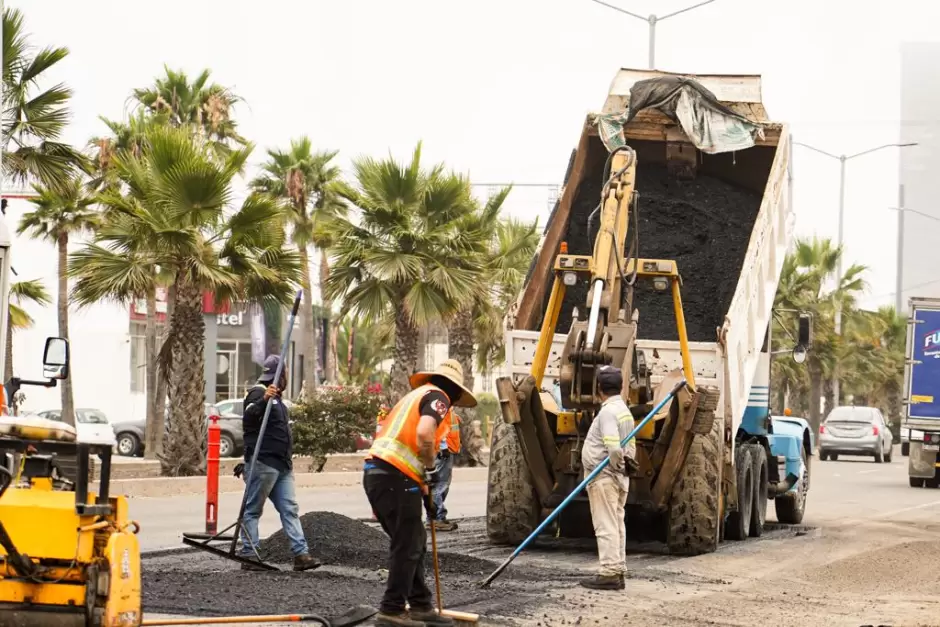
{"points": [[397, 503]]}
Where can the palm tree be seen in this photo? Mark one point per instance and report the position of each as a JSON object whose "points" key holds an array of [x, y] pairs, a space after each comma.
{"points": [[807, 273], [175, 215], [33, 118], [362, 349], [21, 293], [198, 104], [310, 186], [408, 258], [60, 213]]}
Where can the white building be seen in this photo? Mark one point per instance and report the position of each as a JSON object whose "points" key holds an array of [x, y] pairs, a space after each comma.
{"points": [[920, 102]]}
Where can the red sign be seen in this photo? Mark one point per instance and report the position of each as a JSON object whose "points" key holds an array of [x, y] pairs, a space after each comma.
{"points": [[138, 309]]}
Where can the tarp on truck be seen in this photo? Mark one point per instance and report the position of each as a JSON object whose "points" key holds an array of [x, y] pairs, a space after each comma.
{"points": [[711, 126], [924, 393]]}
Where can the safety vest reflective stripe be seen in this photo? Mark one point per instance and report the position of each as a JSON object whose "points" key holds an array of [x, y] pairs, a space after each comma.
{"points": [[622, 418], [389, 447], [609, 439], [454, 426]]}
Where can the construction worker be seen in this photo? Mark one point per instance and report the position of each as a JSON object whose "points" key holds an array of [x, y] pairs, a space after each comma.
{"points": [[399, 470], [273, 475], [449, 435], [607, 493]]}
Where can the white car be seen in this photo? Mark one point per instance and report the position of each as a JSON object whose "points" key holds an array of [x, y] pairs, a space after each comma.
{"points": [[91, 425]]}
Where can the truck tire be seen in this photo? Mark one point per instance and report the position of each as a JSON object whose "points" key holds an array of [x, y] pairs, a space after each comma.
{"points": [[916, 482], [705, 413], [511, 506], [905, 449], [790, 506], [761, 479], [694, 519], [738, 524]]}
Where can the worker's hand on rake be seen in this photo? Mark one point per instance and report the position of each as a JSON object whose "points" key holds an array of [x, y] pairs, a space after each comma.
{"points": [[431, 477], [429, 507]]}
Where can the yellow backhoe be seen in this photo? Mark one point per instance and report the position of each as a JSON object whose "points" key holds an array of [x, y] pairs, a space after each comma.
{"points": [[68, 557]]}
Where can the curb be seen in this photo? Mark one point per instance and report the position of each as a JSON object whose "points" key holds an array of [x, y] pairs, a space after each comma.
{"points": [[161, 487]]}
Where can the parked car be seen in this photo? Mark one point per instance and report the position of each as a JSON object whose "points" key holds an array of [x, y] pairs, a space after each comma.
{"points": [[855, 431], [91, 425], [131, 435]]}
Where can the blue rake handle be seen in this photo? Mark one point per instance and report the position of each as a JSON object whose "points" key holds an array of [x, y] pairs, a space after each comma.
{"points": [[486, 582]]}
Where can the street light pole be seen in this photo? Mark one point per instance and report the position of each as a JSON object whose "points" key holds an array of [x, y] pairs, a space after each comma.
{"points": [[899, 275], [652, 20], [842, 159]]}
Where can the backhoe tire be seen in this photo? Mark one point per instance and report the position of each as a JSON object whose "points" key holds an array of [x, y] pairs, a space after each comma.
{"points": [[791, 506], [761, 479], [738, 525], [511, 505], [705, 413], [693, 519]]}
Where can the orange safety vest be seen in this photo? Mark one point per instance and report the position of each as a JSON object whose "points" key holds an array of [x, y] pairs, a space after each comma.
{"points": [[449, 431], [396, 443]]}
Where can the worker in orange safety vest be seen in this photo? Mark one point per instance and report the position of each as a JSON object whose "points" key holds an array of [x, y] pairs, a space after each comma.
{"points": [[399, 473]]}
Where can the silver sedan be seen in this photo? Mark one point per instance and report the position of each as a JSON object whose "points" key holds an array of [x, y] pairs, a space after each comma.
{"points": [[855, 431]]}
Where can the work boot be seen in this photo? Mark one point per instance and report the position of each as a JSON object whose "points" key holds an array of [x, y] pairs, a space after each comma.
{"points": [[306, 562], [431, 618], [443, 525], [604, 582], [396, 619]]}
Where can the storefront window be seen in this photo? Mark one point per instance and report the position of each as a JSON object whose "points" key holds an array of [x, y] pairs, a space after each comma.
{"points": [[235, 371]]}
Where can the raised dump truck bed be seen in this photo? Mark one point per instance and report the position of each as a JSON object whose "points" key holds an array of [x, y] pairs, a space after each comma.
{"points": [[724, 216], [728, 229]]}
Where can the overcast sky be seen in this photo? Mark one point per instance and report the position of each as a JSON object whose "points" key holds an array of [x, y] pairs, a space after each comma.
{"points": [[499, 88]]}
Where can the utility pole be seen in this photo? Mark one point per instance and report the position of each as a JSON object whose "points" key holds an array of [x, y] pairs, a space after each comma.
{"points": [[652, 20], [899, 275], [842, 159]]}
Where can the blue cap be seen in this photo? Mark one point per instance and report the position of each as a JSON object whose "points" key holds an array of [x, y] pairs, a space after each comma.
{"points": [[271, 363]]}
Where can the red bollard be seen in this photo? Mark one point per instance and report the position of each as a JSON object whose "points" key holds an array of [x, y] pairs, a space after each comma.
{"points": [[212, 475]]}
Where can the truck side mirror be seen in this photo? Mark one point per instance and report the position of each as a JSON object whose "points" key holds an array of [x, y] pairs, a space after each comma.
{"points": [[55, 358]]}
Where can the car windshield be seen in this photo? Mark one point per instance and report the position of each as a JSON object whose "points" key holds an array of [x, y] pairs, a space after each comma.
{"points": [[851, 414]]}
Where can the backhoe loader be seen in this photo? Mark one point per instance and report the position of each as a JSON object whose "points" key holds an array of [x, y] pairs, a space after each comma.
{"points": [[710, 460]]}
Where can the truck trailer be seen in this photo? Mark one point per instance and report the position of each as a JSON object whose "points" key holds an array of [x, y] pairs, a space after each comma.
{"points": [[921, 416], [661, 257]]}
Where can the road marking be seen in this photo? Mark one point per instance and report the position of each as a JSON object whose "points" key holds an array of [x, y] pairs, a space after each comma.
{"points": [[910, 509], [868, 472]]}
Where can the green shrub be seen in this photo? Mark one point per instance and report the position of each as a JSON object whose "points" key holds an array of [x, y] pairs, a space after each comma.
{"points": [[331, 419]]}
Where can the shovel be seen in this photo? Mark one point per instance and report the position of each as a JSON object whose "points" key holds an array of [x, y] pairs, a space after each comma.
{"points": [[354, 616]]}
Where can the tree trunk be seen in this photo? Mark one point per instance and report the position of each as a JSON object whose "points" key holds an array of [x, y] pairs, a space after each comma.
{"points": [[8, 365], [309, 327], [151, 434], [460, 348], [332, 328], [828, 394], [405, 354], [165, 362], [815, 392], [68, 402], [183, 454], [351, 353]]}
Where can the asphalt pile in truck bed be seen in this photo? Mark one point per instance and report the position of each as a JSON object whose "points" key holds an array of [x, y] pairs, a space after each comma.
{"points": [[336, 539], [703, 224]]}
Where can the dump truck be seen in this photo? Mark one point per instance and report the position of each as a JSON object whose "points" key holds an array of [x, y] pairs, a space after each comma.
{"points": [[661, 257], [921, 415]]}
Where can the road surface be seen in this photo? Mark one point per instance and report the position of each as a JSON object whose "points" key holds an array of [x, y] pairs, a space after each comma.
{"points": [[868, 555]]}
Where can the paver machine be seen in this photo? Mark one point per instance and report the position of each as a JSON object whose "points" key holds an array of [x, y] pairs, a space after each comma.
{"points": [[68, 557], [626, 309]]}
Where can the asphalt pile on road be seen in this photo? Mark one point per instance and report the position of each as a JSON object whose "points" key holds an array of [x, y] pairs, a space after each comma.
{"points": [[342, 541], [704, 225]]}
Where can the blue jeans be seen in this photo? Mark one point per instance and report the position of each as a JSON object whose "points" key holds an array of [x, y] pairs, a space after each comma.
{"points": [[270, 483], [445, 470]]}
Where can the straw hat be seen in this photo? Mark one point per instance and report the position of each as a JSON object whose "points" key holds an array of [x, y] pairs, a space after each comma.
{"points": [[453, 372]]}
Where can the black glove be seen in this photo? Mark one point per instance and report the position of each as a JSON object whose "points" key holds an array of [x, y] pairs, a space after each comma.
{"points": [[631, 468], [239, 469], [431, 477]]}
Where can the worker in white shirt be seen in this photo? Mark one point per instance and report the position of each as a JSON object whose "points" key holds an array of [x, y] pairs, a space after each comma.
{"points": [[607, 493]]}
